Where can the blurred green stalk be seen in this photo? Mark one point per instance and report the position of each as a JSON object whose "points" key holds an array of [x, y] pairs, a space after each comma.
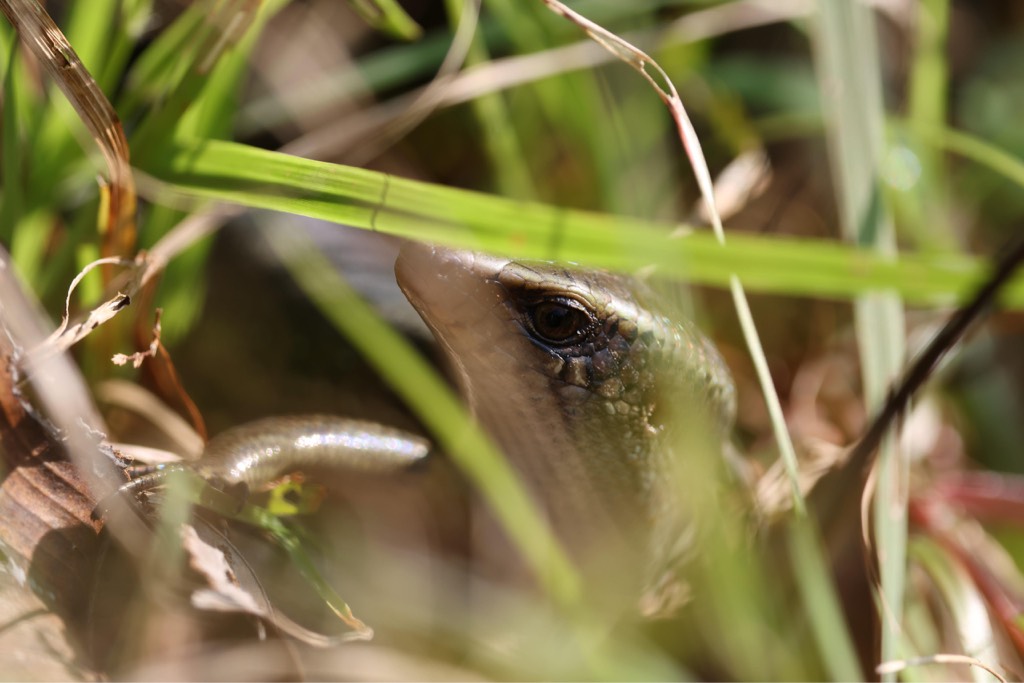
{"points": [[848, 69]]}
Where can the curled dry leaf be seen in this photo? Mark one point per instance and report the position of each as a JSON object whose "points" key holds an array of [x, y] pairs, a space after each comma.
{"points": [[115, 304], [223, 594], [145, 267], [67, 334], [138, 357]]}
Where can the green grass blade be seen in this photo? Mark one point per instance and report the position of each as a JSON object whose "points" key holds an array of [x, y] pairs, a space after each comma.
{"points": [[23, 113], [848, 55], [261, 179], [960, 598], [572, 105], [162, 121], [504, 148], [213, 114], [28, 244], [400, 66], [196, 57], [978, 151], [389, 17], [821, 601], [12, 160], [133, 20], [926, 205], [157, 68]]}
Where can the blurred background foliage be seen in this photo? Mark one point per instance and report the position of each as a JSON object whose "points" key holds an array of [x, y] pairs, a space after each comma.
{"points": [[363, 84]]}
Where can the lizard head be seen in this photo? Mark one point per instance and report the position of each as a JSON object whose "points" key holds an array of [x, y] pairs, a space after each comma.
{"points": [[571, 371]]}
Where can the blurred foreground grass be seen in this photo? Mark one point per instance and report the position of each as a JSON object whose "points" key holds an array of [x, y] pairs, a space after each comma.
{"points": [[899, 129]]}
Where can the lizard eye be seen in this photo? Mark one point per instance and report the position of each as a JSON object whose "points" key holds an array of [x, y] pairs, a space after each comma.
{"points": [[558, 321]]}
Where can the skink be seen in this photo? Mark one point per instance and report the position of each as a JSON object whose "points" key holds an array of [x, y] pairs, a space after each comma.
{"points": [[571, 371]]}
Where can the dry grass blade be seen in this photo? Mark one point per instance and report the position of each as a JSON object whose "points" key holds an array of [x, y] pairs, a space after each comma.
{"points": [[147, 406], [430, 98], [829, 630], [233, 21], [224, 24], [505, 73], [666, 90], [896, 666], [861, 457], [54, 52], [364, 136]]}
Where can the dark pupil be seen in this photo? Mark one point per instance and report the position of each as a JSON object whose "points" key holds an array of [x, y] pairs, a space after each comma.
{"points": [[557, 322]]}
